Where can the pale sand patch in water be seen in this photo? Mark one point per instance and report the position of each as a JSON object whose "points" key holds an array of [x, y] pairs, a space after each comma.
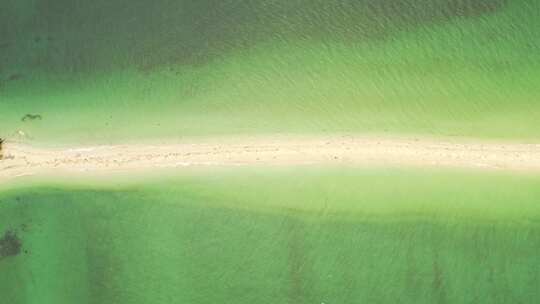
{"points": [[22, 160]]}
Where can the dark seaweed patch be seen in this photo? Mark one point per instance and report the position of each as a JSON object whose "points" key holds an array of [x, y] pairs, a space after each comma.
{"points": [[29, 117], [10, 244]]}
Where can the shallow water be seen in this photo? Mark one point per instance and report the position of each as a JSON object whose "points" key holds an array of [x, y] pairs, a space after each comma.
{"points": [[283, 235], [109, 71]]}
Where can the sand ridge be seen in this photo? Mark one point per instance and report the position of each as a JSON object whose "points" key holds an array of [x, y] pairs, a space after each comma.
{"points": [[21, 160]]}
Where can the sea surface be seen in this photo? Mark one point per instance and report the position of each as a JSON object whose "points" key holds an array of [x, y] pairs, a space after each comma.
{"points": [[117, 70], [78, 72], [282, 235]]}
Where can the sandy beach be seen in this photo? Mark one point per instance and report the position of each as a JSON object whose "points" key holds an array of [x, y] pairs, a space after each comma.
{"points": [[23, 160]]}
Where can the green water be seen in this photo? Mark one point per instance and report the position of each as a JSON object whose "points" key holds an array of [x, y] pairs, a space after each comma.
{"points": [[108, 71], [277, 236]]}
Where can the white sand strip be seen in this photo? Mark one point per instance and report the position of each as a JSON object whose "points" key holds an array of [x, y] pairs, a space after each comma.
{"points": [[21, 160]]}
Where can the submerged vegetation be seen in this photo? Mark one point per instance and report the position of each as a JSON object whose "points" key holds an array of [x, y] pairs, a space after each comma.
{"points": [[30, 117], [10, 244]]}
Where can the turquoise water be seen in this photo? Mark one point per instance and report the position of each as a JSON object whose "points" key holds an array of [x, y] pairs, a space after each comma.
{"points": [[109, 71], [277, 236]]}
